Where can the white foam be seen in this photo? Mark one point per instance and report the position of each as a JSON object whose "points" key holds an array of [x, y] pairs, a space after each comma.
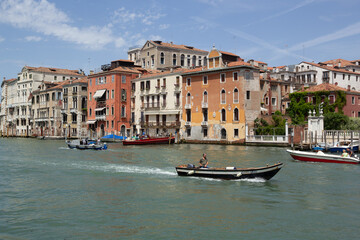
{"points": [[254, 180]]}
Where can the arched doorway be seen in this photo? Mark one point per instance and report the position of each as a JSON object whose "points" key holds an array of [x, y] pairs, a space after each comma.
{"points": [[102, 130], [122, 130], [223, 134]]}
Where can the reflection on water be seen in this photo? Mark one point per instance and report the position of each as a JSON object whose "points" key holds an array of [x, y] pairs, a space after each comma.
{"points": [[50, 191]]}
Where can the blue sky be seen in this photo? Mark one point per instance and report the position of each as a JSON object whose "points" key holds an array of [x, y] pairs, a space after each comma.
{"points": [[80, 34]]}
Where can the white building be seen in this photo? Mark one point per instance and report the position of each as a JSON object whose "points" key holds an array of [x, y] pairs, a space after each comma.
{"points": [[318, 73], [18, 98], [156, 103], [7, 113]]}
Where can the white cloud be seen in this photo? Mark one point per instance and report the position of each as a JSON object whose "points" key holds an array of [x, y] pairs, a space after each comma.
{"points": [[2, 39], [33, 39], [351, 30], [155, 37], [43, 17], [148, 17], [164, 26], [213, 3]]}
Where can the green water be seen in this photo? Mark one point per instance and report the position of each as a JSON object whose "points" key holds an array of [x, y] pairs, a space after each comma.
{"points": [[48, 191]]}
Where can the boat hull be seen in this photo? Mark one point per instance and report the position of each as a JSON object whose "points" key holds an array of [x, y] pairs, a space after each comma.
{"points": [[150, 141], [77, 144], [265, 173], [328, 158]]}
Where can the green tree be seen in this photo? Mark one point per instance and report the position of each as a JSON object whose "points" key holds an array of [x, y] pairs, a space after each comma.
{"points": [[335, 121]]}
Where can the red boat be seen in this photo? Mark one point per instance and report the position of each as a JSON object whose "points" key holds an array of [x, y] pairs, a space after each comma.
{"points": [[322, 157], [144, 141]]}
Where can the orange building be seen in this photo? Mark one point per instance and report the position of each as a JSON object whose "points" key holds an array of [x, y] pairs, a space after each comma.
{"points": [[109, 98], [220, 99]]}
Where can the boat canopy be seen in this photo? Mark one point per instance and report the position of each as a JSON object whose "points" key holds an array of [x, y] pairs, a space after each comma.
{"points": [[112, 136], [99, 93]]}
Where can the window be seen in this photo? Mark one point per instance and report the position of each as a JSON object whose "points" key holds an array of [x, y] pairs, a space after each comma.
{"points": [[123, 79], [193, 61], [199, 61], [164, 100], [205, 80], [334, 75], [55, 77], [267, 101], [112, 93], [142, 86], [113, 78], [236, 114], [223, 97], [182, 60], [353, 100], [188, 98], [89, 111], [164, 83], [123, 94], [331, 99], [147, 85], [236, 95], [236, 132], [188, 82], [162, 58], [273, 101], [205, 97], [188, 115], [112, 110], [205, 115], [174, 59], [188, 132], [223, 115], [222, 77], [248, 95], [123, 113], [235, 76]]}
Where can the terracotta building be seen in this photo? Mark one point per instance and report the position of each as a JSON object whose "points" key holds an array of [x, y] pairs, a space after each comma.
{"points": [[220, 99], [109, 98]]}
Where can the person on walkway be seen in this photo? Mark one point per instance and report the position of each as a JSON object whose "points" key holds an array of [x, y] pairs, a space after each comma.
{"points": [[203, 161], [344, 154]]}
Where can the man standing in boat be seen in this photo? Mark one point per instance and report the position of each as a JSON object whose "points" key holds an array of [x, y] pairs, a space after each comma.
{"points": [[203, 161]]}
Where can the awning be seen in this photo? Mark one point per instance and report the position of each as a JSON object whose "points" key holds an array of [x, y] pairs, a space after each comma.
{"points": [[263, 109], [99, 109], [90, 121], [99, 93]]}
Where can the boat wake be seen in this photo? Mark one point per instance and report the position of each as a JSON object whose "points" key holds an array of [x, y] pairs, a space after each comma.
{"points": [[252, 180], [125, 169]]}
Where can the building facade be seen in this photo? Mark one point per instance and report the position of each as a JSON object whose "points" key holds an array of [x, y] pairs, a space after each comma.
{"points": [[163, 56], [156, 103], [109, 99], [219, 100], [8, 115]]}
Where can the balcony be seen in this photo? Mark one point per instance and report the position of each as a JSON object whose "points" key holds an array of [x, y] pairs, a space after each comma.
{"points": [[188, 124], [187, 106], [73, 110], [204, 123], [204, 105], [155, 106], [100, 104], [100, 117]]}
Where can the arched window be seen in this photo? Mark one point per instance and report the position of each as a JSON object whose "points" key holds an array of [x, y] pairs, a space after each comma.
{"points": [[205, 61], [205, 97], [162, 58], [182, 60], [236, 114], [174, 59], [188, 98], [223, 97], [194, 61], [223, 115], [236, 95]]}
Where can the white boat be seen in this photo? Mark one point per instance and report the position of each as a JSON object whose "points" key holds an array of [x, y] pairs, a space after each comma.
{"points": [[322, 157]]}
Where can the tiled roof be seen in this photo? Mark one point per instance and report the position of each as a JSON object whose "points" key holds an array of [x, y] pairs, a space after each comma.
{"points": [[335, 62], [332, 68], [126, 69], [171, 45], [229, 53], [230, 64], [238, 63], [159, 73], [326, 87], [54, 70], [60, 85]]}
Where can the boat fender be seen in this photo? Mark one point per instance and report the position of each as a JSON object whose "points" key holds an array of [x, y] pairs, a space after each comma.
{"points": [[239, 174], [191, 172]]}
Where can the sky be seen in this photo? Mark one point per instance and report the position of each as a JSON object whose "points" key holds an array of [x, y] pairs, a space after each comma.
{"points": [[82, 34]]}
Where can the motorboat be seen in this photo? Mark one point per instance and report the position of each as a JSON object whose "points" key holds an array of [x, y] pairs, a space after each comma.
{"points": [[86, 145], [112, 138], [229, 173], [149, 140], [321, 157], [345, 144]]}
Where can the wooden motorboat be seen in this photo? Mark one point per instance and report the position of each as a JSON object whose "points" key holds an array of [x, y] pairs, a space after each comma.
{"points": [[91, 145], [144, 141], [229, 173], [322, 157]]}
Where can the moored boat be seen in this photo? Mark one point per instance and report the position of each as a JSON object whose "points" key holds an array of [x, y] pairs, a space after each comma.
{"points": [[341, 145], [144, 141], [91, 145], [229, 173], [321, 157]]}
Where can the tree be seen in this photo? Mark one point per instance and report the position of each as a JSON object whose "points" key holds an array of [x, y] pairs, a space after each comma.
{"points": [[335, 121]]}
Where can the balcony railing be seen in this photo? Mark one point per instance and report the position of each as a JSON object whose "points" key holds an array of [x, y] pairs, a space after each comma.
{"points": [[188, 124], [204, 105], [100, 104], [100, 117], [187, 106], [204, 123]]}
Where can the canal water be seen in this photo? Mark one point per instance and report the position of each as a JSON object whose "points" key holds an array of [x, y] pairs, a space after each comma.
{"points": [[48, 191]]}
